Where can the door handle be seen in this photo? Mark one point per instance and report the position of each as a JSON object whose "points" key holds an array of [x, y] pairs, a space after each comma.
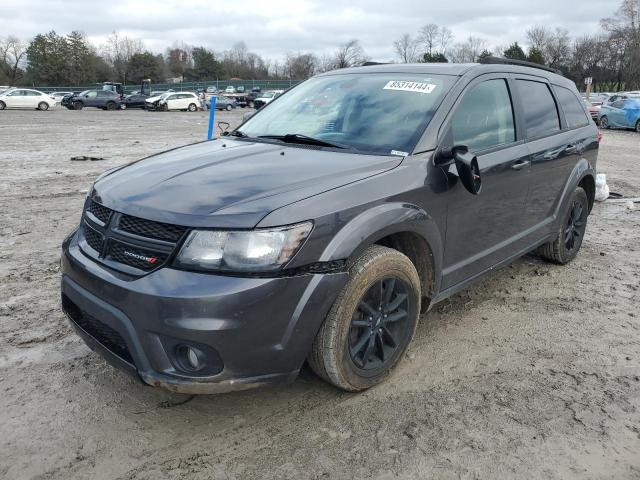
{"points": [[520, 165], [570, 149]]}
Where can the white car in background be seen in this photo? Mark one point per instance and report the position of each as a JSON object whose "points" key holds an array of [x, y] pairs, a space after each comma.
{"points": [[58, 96], [26, 98], [179, 101], [230, 89]]}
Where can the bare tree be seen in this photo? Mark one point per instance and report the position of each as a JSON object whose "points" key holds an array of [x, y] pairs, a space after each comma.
{"points": [[406, 48], [624, 39], [429, 37], [468, 51], [349, 54], [300, 66], [445, 39], [12, 55], [539, 37], [118, 50]]}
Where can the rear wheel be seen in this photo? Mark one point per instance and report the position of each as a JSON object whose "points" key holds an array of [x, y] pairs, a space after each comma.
{"points": [[229, 107], [574, 224], [604, 122], [2, 105], [43, 106], [192, 107], [371, 322]]}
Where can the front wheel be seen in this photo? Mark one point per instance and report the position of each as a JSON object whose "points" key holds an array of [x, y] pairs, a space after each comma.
{"points": [[229, 107], [111, 106], [192, 107], [2, 105], [43, 106], [78, 106], [604, 122], [571, 233], [371, 322]]}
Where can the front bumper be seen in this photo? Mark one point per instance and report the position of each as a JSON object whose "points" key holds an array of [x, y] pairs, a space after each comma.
{"points": [[258, 331]]}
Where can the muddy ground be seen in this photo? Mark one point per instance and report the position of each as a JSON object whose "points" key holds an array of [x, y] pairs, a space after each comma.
{"points": [[532, 373]]}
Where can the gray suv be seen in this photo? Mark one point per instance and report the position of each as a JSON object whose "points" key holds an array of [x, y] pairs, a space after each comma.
{"points": [[324, 225]]}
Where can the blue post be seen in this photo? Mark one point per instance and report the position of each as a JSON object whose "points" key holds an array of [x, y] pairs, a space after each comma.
{"points": [[212, 114]]}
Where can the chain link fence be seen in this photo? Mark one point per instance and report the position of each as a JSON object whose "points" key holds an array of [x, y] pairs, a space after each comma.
{"points": [[180, 86]]}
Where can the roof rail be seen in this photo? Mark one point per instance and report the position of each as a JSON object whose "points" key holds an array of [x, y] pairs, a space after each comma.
{"points": [[522, 63], [369, 63]]}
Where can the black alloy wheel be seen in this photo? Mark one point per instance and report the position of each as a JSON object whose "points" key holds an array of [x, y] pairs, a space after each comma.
{"points": [[576, 223], [379, 324]]}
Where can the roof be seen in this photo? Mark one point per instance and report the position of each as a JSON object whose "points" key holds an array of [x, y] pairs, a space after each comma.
{"points": [[456, 69]]}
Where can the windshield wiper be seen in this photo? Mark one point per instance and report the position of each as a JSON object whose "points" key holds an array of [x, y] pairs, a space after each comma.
{"points": [[304, 140], [238, 133]]}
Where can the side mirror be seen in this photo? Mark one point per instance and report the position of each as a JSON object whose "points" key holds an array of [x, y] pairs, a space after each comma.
{"points": [[247, 115], [468, 170], [466, 164]]}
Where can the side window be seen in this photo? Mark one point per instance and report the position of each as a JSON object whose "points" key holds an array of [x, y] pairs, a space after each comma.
{"points": [[573, 112], [92, 94], [484, 118], [618, 104], [16, 93], [540, 110]]}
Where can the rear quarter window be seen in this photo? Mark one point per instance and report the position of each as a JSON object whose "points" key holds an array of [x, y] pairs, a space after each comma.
{"points": [[540, 109], [574, 114]]}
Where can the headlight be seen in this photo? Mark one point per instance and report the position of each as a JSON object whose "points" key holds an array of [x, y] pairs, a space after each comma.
{"points": [[242, 251]]}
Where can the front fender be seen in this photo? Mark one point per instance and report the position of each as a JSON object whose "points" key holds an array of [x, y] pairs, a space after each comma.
{"points": [[381, 221]]}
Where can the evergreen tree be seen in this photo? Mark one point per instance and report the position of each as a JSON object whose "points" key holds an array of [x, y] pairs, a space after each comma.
{"points": [[515, 52], [435, 57], [535, 56]]}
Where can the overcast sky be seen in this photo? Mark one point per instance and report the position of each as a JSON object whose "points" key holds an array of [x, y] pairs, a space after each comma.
{"points": [[272, 28]]}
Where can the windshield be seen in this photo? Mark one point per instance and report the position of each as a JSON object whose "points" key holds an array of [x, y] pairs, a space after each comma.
{"points": [[266, 95], [374, 113]]}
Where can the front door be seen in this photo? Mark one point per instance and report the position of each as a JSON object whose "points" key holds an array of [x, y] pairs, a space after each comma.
{"points": [[484, 229]]}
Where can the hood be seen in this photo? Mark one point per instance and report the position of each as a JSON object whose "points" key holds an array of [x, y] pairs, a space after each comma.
{"points": [[229, 183]]}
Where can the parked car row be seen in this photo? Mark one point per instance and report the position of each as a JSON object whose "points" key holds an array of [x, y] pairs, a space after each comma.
{"points": [[110, 99]]}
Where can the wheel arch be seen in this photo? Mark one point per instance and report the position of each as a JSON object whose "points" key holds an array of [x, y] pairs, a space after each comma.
{"points": [[404, 227], [583, 175]]}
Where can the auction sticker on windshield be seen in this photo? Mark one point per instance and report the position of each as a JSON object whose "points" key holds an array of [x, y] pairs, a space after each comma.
{"points": [[419, 87]]}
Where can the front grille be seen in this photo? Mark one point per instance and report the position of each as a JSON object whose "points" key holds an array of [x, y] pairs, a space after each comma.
{"points": [[104, 334], [93, 238], [151, 229], [151, 247], [100, 212], [136, 257]]}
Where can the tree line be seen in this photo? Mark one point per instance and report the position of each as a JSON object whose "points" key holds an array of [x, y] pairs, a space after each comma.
{"points": [[610, 56]]}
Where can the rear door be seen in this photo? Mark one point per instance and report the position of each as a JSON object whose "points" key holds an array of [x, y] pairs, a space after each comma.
{"points": [[484, 229], [553, 149]]}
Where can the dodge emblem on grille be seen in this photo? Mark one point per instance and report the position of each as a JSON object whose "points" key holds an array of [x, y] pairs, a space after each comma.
{"points": [[150, 260]]}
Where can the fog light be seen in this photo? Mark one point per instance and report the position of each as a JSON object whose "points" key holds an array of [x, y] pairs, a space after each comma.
{"points": [[189, 358], [192, 357]]}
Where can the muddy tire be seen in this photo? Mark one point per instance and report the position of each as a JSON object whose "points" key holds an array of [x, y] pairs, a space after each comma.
{"points": [[43, 106], [604, 122], [571, 233], [371, 322]]}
